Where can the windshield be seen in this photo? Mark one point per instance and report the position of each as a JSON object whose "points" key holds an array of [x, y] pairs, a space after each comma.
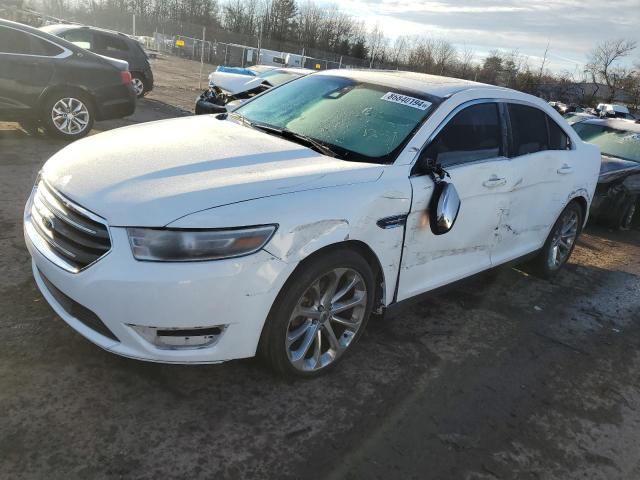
{"points": [[278, 77], [612, 142], [368, 122]]}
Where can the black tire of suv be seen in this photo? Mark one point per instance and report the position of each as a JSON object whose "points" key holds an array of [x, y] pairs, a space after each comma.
{"points": [[271, 348], [47, 108], [624, 221], [540, 263]]}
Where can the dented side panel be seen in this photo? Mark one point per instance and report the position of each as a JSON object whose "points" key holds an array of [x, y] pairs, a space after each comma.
{"points": [[310, 220]]}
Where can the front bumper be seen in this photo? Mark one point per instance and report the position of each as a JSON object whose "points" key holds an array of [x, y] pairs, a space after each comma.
{"points": [[122, 292]]}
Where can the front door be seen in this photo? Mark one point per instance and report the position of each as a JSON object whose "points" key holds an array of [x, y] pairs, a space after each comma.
{"points": [[470, 147]]}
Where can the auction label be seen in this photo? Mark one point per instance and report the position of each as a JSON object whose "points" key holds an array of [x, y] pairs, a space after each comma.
{"points": [[406, 100]]}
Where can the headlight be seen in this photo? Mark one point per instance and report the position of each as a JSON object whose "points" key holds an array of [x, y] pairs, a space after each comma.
{"points": [[173, 245]]}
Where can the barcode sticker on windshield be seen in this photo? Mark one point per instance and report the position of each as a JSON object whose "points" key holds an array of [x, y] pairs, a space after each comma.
{"points": [[406, 100]]}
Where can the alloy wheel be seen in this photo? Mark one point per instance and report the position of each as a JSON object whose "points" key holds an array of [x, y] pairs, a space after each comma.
{"points": [[70, 116], [326, 319], [563, 239], [138, 86]]}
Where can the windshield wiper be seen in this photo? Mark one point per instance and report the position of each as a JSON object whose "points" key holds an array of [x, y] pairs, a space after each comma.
{"points": [[299, 138]]}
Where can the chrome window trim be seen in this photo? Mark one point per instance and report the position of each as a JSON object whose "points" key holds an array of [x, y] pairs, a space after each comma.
{"points": [[65, 51], [478, 101]]}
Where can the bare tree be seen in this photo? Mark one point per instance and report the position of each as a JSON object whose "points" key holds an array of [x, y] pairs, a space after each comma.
{"points": [[376, 42], [603, 64]]}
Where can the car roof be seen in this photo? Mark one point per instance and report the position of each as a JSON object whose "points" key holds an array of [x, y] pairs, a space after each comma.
{"points": [[40, 33], [616, 123], [297, 71], [418, 82], [62, 27]]}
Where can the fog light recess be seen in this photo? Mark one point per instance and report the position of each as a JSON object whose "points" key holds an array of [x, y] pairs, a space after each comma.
{"points": [[180, 338]]}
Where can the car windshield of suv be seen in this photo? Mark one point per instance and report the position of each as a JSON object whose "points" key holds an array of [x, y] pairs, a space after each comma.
{"points": [[357, 121], [278, 77], [612, 142]]}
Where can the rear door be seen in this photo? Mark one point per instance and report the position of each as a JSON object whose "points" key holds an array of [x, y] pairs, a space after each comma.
{"points": [[543, 165], [470, 146], [27, 63]]}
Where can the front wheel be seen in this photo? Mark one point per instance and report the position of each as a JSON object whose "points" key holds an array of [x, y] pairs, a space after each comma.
{"points": [[321, 312], [560, 242]]}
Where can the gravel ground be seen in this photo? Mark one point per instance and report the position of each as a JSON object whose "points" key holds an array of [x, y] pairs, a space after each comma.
{"points": [[502, 376]]}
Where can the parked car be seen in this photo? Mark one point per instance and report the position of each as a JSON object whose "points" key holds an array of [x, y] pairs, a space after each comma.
{"points": [[49, 82], [111, 44], [575, 117], [229, 84], [560, 107], [614, 111], [279, 228], [617, 195]]}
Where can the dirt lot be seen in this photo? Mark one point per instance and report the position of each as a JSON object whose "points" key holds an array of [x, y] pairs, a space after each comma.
{"points": [[504, 376]]}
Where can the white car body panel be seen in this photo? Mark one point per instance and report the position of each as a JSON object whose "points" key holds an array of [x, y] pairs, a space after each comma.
{"points": [[234, 82], [186, 174], [200, 172]]}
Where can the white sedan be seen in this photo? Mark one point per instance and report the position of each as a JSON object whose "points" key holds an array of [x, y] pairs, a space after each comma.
{"points": [[280, 227]]}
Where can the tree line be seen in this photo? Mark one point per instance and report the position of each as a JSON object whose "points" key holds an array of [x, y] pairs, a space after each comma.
{"points": [[305, 24]]}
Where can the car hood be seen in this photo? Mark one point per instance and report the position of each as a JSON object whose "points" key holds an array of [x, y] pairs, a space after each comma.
{"points": [[612, 168], [234, 83], [154, 173]]}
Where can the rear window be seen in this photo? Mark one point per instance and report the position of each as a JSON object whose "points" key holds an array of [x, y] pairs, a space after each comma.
{"points": [[18, 42], [528, 130]]}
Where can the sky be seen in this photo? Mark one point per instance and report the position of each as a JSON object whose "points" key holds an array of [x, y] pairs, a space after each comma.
{"points": [[570, 27]]}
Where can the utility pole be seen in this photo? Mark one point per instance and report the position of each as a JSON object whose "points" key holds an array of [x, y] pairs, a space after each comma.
{"points": [[260, 42], [204, 29], [134, 24]]}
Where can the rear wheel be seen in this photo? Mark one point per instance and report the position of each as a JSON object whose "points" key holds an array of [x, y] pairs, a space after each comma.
{"points": [[139, 86], [560, 242], [68, 115], [321, 312], [628, 211]]}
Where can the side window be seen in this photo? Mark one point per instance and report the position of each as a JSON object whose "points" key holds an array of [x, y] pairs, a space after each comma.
{"points": [[558, 140], [473, 134], [528, 130], [110, 43], [17, 42], [81, 38]]}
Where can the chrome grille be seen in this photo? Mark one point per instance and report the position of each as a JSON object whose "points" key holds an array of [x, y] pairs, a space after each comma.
{"points": [[67, 229]]}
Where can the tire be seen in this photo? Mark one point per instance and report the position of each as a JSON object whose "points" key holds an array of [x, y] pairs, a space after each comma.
{"points": [[30, 126], [627, 213], [554, 255], [80, 108], [139, 84], [285, 334]]}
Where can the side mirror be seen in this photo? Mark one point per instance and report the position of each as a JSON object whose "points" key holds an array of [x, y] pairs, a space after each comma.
{"points": [[443, 207]]}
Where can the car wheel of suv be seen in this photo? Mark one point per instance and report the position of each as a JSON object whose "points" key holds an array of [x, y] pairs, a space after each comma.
{"points": [[320, 313], [560, 242], [68, 115], [138, 85], [625, 221]]}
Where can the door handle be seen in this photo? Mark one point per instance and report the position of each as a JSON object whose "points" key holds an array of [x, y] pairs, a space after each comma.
{"points": [[564, 169], [494, 181]]}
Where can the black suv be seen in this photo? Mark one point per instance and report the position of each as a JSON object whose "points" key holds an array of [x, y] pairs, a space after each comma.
{"points": [[110, 44], [47, 81]]}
